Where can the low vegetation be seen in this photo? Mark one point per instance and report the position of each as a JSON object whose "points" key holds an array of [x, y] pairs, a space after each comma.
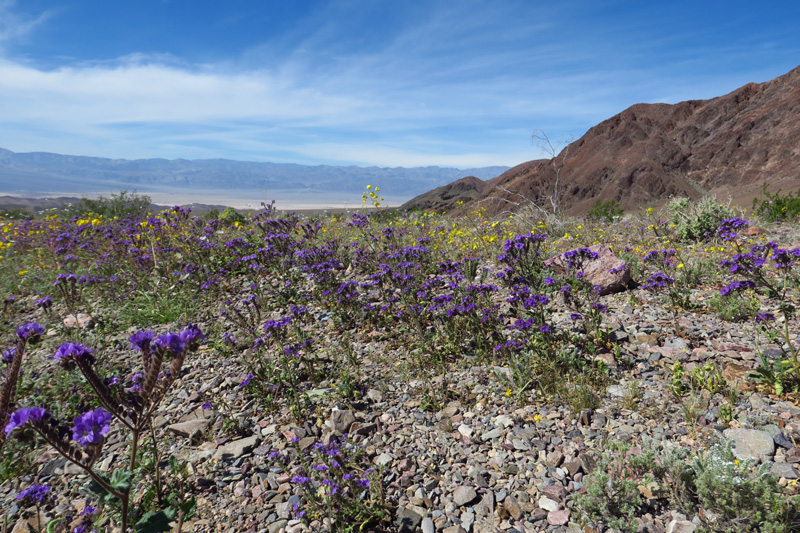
{"points": [[265, 292]]}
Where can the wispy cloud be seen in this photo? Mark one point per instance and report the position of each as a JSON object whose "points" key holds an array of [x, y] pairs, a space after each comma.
{"points": [[13, 26], [447, 83]]}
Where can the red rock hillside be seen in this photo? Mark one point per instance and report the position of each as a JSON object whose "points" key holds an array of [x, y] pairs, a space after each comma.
{"points": [[730, 145]]}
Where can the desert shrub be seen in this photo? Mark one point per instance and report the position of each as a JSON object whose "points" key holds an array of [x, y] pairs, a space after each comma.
{"points": [[776, 206], [732, 495], [122, 204], [15, 213], [605, 211], [698, 220], [736, 497], [231, 215]]}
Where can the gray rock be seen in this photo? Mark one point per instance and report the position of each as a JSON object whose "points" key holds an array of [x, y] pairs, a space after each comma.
{"points": [[427, 525], [491, 435], [408, 520], [751, 444], [548, 505], [681, 526], [486, 506], [784, 470], [464, 495], [467, 519], [193, 429], [782, 441], [277, 526], [237, 448], [342, 419]]}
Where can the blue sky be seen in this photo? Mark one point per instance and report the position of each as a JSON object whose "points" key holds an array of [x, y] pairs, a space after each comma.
{"points": [[367, 82]]}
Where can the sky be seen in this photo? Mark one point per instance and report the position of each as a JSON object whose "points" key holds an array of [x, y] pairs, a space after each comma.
{"points": [[461, 83]]}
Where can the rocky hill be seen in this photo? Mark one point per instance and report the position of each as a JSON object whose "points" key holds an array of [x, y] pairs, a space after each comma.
{"points": [[730, 145]]}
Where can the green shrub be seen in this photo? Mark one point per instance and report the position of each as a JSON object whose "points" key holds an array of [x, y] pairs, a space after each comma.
{"points": [[232, 215], [698, 220], [732, 495], [606, 211], [776, 206], [123, 204], [736, 497], [15, 213]]}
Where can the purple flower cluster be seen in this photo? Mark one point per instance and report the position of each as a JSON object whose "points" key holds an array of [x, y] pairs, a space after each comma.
{"points": [[730, 227], [91, 427], [141, 340], [30, 331], [22, 416], [664, 256], [737, 286], [44, 303], [72, 352], [34, 493], [657, 281]]}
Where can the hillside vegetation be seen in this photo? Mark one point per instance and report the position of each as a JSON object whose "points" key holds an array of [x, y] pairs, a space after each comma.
{"points": [[395, 371]]}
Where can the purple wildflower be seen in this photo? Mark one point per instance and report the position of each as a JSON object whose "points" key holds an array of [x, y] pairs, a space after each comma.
{"points": [[91, 427], [34, 493], [191, 335], [23, 416], [246, 381], [70, 352], [141, 340], [171, 341], [31, 331], [764, 317]]}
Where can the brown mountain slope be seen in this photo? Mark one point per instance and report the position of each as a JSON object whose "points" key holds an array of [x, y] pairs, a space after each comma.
{"points": [[729, 145], [448, 196]]}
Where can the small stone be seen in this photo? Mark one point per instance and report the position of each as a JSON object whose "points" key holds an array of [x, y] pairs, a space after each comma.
{"points": [[237, 448], [491, 435], [785, 470], [408, 520], [192, 429], [465, 430], [547, 504], [342, 419], [464, 495], [427, 525], [384, 459], [558, 518], [555, 492], [513, 508], [681, 526]]}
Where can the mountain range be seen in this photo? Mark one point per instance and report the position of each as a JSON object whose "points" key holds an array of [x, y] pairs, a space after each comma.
{"points": [[36, 173], [729, 146]]}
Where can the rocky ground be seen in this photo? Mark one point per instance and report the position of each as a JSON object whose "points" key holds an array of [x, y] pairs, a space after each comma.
{"points": [[487, 461]]}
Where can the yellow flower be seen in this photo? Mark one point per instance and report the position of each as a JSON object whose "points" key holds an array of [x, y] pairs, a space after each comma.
{"points": [[680, 265], [22, 272], [369, 187], [536, 417], [508, 391]]}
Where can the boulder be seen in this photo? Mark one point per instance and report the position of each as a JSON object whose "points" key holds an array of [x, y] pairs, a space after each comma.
{"points": [[607, 271]]}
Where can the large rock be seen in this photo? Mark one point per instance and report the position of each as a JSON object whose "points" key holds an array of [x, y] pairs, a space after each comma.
{"points": [[608, 271], [751, 444], [464, 495], [237, 448], [342, 419], [191, 429]]}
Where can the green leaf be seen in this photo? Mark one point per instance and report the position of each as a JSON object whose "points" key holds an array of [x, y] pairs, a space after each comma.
{"points": [[156, 521], [121, 479]]}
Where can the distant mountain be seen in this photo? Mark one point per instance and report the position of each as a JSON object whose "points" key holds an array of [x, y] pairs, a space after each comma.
{"points": [[30, 174], [730, 145]]}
